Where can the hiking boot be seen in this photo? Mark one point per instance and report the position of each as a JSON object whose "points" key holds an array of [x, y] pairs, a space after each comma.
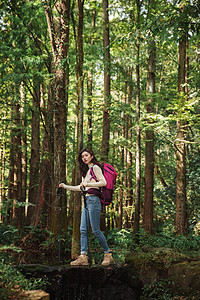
{"points": [[107, 260], [82, 260]]}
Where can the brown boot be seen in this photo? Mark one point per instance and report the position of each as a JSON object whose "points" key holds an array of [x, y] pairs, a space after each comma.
{"points": [[107, 260], [82, 260]]}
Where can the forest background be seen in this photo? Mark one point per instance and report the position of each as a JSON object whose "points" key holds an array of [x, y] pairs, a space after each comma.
{"points": [[121, 78]]}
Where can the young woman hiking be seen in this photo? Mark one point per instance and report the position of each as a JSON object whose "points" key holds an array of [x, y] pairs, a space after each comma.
{"points": [[90, 213]]}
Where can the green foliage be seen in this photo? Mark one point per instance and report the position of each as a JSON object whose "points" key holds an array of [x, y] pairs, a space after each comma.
{"points": [[160, 290], [13, 282], [184, 244], [42, 246], [122, 242], [8, 234]]}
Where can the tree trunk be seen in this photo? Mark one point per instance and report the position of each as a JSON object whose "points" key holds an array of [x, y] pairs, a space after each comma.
{"points": [[60, 43], [129, 156], [126, 153], [89, 112], [35, 155], [138, 146], [2, 173], [24, 148], [42, 216], [107, 100], [10, 209], [149, 144], [89, 92], [122, 192], [18, 210], [79, 80], [180, 223]]}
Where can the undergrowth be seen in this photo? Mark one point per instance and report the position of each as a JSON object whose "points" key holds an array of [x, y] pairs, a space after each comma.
{"points": [[123, 241], [35, 245], [160, 290], [13, 283]]}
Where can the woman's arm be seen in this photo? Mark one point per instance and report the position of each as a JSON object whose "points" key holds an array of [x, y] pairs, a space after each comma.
{"points": [[99, 176], [70, 187]]}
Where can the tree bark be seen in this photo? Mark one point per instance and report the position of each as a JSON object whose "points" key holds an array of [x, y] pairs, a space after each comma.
{"points": [[138, 138], [35, 155], [79, 81], [126, 152], [18, 210], [42, 216], [129, 156], [90, 91], [10, 209], [149, 143], [24, 149], [59, 43], [107, 100], [2, 172], [122, 192], [180, 222]]}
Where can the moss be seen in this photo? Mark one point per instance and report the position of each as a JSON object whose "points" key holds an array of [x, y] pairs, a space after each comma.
{"points": [[154, 265], [186, 277]]}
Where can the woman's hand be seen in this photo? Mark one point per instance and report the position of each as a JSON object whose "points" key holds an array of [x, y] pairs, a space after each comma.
{"points": [[62, 185], [82, 186]]}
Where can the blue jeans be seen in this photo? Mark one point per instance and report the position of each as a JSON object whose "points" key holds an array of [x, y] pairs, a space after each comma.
{"points": [[91, 215]]}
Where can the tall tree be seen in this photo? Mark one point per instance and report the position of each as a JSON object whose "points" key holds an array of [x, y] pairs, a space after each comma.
{"points": [[24, 156], [149, 140], [79, 83], [44, 192], [90, 90], [35, 154], [106, 107], [17, 215], [129, 195], [122, 156], [138, 137], [59, 36], [181, 129]]}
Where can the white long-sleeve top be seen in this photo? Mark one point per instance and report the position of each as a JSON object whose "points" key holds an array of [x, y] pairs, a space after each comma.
{"points": [[89, 182]]}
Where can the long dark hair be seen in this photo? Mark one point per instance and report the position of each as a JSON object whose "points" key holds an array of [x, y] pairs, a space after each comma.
{"points": [[83, 168]]}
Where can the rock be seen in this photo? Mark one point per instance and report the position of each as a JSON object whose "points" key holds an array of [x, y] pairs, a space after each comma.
{"points": [[96, 282], [34, 295], [167, 265], [186, 277]]}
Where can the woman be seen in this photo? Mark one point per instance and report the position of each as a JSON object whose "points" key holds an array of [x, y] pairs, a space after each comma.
{"points": [[90, 213]]}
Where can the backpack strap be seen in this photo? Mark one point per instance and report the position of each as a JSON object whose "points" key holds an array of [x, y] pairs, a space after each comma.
{"points": [[93, 174]]}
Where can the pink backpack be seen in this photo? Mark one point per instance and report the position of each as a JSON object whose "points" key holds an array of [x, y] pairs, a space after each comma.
{"points": [[110, 175]]}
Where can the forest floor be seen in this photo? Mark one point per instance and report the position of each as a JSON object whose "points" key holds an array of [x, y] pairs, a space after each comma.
{"points": [[165, 265]]}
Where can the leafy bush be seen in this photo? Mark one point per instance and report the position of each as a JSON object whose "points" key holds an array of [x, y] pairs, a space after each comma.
{"points": [[168, 240], [8, 234], [13, 282], [123, 241], [160, 290]]}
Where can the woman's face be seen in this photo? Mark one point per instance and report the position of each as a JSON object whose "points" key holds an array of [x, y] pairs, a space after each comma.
{"points": [[86, 157]]}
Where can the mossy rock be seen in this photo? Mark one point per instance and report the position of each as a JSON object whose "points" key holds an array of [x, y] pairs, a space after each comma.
{"points": [[146, 266], [152, 266], [186, 278]]}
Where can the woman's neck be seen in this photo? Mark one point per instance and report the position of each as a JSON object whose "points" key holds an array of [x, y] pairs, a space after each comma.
{"points": [[90, 165]]}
